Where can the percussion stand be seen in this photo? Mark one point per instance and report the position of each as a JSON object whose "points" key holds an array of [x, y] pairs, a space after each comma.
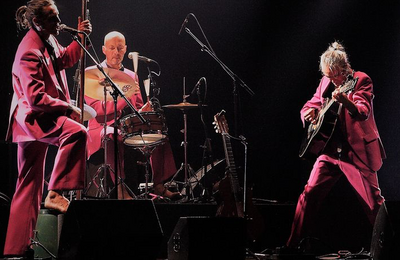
{"points": [[146, 151], [185, 167], [105, 168], [117, 178]]}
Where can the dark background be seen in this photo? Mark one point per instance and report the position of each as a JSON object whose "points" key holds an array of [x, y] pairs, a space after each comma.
{"points": [[273, 46]]}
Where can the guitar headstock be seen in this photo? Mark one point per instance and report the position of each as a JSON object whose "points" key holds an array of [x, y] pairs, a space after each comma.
{"points": [[349, 85], [220, 124]]}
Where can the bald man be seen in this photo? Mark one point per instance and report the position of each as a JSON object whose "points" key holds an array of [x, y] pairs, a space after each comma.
{"points": [[161, 160]]}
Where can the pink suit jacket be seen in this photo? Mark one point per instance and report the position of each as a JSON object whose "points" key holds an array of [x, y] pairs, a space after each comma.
{"points": [[361, 130], [39, 99]]}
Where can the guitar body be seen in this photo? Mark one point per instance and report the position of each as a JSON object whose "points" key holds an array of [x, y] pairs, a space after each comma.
{"points": [[317, 135], [228, 205]]}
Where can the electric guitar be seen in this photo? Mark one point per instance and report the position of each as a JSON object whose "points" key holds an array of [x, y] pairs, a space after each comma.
{"points": [[232, 198], [317, 135]]}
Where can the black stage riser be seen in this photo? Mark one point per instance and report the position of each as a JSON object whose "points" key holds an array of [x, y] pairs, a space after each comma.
{"points": [[110, 229], [102, 228], [199, 238]]}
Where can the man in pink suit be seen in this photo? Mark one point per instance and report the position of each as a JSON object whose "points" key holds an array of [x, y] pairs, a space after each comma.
{"points": [[355, 148], [162, 160], [40, 115]]}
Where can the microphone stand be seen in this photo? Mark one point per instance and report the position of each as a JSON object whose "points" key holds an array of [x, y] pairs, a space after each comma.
{"points": [[234, 77], [152, 85], [116, 92], [207, 153]]}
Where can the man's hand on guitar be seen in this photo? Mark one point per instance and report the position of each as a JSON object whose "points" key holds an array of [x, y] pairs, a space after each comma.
{"points": [[311, 115], [342, 98], [339, 96]]}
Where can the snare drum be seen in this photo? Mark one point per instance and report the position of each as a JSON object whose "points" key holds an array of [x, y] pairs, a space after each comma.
{"points": [[135, 133]]}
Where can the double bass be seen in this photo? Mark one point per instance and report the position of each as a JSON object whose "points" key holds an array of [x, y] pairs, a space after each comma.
{"points": [[80, 95]]}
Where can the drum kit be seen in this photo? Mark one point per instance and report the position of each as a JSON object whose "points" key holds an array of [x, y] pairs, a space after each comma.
{"points": [[136, 134]]}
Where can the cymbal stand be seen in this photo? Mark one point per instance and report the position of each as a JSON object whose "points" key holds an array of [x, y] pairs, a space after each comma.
{"points": [[185, 166], [117, 178], [105, 168]]}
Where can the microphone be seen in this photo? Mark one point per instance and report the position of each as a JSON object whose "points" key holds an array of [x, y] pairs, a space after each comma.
{"points": [[197, 85], [141, 58], [65, 28], [183, 24]]}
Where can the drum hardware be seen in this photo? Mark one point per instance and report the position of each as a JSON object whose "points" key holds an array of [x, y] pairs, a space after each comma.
{"points": [[142, 186], [145, 137], [185, 167], [205, 185], [103, 191], [199, 177], [146, 151]]}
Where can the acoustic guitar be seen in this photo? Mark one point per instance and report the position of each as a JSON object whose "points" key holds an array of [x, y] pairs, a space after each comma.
{"points": [[231, 202], [317, 135]]}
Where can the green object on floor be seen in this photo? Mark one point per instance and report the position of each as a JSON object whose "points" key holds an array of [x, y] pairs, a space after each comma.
{"points": [[47, 233]]}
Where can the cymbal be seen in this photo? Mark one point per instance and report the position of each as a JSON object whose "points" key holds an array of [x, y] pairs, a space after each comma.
{"points": [[183, 106], [95, 90]]}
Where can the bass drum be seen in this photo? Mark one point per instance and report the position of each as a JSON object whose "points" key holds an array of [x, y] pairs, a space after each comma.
{"points": [[138, 134]]}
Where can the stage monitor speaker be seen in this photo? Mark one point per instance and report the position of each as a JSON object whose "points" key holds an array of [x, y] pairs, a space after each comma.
{"points": [[208, 238], [110, 229], [385, 242]]}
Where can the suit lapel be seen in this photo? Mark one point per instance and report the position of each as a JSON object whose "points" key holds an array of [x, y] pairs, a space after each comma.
{"points": [[62, 76], [52, 71]]}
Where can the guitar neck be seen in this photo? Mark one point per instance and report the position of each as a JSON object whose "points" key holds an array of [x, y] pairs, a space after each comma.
{"points": [[348, 86], [231, 163]]}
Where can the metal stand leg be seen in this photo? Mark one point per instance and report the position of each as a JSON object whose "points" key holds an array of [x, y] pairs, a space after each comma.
{"points": [[123, 186], [101, 174], [185, 167], [103, 188], [146, 151]]}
